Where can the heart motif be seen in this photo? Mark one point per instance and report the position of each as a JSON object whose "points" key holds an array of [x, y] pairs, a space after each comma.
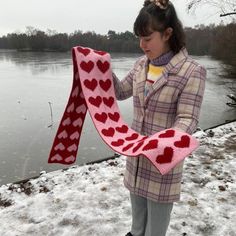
{"points": [[60, 147], [91, 84], [63, 134], [183, 143], [84, 51], [108, 101], [95, 101], [66, 122], [132, 137], [136, 148], [75, 135], [108, 132], [105, 85], [78, 122], [76, 74], [122, 129], [142, 139], [152, 144], [168, 134], [57, 157], [126, 148], [87, 66], [115, 116], [101, 117], [81, 109], [81, 95], [72, 148], [117, 143], [103, 66], [166, 157], [101, 53], [70, 159], [75, 92], [71, 108]]}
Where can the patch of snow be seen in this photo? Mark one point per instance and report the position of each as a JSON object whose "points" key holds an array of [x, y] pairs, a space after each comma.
{"points": [[91, 199]]}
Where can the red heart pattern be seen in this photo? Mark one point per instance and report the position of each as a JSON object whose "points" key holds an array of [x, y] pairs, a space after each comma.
{"points": [[84, 51], [139, 145], [93, 89], [91, 84], [105, 85], [108, 132], [117, 143], [122, 129], [95, 101], [132, 137], [114, 116], [108, 101], [152, 144], [103, 66], [126, 148], [183, 143], [145, 137], [100, 52], [101, 117], [87, 66], [168, 134], [166, 157]]}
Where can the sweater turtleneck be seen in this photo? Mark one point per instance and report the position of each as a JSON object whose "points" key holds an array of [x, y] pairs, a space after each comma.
{"points": [[163, 59], [155, 69]]}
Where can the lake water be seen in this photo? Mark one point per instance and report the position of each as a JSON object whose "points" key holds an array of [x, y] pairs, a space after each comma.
{"points": [[29, 81]]}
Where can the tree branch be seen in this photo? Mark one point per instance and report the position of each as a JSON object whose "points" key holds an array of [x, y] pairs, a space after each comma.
{"points": [[227, 14]]}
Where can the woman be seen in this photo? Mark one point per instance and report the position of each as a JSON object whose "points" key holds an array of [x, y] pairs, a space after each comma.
{"points": [[167, 88]]}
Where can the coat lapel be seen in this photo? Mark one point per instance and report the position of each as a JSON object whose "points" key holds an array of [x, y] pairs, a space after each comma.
{"points": [[172, 67], [141, 80], [156, 86]]}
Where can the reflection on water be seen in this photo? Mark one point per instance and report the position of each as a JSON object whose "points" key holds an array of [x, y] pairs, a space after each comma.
{"points": [[30, 80], [37, 62]]}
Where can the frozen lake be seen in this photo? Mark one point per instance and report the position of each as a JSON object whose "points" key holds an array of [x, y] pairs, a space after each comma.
{"points": [[30, 80]]}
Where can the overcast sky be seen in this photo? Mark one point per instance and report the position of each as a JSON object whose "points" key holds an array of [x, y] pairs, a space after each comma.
{"points": [[94, 15]]}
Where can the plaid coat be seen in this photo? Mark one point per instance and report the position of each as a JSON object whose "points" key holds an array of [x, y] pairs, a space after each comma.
{"points": [[174, 100]]}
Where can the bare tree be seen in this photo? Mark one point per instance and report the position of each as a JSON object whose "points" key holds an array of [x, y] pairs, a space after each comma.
{"points": [[225, 7]]}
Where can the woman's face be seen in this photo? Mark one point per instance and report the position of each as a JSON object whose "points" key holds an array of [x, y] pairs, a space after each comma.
{"points": [[155, 44]]}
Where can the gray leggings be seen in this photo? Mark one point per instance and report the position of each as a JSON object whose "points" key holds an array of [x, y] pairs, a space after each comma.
{"points": [[149, 218]]}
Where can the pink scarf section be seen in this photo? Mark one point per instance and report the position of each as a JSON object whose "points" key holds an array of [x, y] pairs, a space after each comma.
{"points": [[93, 89]]}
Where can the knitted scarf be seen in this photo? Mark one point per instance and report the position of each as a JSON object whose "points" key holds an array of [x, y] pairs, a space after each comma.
{"points": [[93, 89]]}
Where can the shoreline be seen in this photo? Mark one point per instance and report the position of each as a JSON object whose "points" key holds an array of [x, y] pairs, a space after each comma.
{"points": [[116, 155]]}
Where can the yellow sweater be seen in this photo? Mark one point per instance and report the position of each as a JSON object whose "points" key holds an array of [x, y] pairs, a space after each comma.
{"points": [[154, 72]]}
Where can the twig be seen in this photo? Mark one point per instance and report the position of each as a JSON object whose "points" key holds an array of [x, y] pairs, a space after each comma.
{"points": [[232, 97], [227, 14], [50, 106]]}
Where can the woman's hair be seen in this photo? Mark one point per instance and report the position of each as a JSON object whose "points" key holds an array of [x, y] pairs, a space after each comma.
{"points": [[158, 15]]}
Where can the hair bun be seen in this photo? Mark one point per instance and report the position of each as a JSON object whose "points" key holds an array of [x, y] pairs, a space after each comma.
{"points": [[162, 4]]}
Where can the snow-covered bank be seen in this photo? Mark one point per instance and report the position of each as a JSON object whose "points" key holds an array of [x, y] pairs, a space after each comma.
{"points": [[91, 200]]}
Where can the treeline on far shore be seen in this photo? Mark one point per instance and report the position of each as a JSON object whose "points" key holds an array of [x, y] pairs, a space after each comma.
{"points": [[214, 40], [37, 40]]}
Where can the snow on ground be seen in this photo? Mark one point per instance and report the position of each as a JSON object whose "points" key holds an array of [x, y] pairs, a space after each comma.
{"points": [[91, 200]]}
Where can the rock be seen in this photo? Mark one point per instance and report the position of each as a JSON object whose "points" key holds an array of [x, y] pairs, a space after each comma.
{"points": [[222, 188], [210, 133], [184, 223], [193, 202]]}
